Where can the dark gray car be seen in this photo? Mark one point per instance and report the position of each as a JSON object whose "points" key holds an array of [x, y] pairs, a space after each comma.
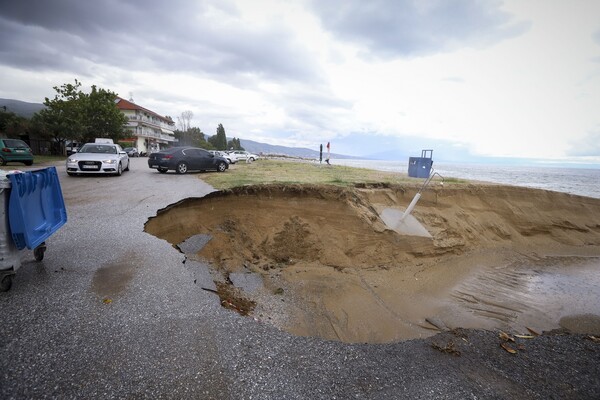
{"points": [[184, 159]]}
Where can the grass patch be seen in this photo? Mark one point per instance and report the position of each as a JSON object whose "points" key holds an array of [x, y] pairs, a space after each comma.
{"points": [[48, 159], [299, 172], [37, 161], [454, 180]]}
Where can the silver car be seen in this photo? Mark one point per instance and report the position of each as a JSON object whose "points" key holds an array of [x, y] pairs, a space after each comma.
{"points": [[244, 155], [98, 158]]}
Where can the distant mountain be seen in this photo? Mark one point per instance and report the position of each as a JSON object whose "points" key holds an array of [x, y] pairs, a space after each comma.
{"points": [[257, 147], [21, 108]]}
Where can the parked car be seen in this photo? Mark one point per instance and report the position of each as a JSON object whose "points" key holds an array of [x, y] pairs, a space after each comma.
{"points": [[231, 158], [153, 148], [132, 151], [244, 155], [98, 158], [15, 150], [220, 154], [72, 147], [184, 159]]}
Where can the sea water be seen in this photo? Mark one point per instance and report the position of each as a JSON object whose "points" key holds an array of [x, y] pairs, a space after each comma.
{"points": [[579, 181]]}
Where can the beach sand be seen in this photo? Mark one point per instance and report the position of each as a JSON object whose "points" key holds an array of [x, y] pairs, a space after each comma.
{"points": [[334, 263]]}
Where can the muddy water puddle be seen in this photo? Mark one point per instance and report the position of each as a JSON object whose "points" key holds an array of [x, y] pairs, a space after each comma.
{"points": [[563, 293], [321, 262]]}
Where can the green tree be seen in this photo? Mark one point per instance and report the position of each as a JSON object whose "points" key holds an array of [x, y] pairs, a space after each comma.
{"points": [[62, 114], [75, 115], [13, 125], [38, 128], [234, 144], [192, 137], [213, 141], [198, 138], [181, 137], [101, 116], [219, 140]]}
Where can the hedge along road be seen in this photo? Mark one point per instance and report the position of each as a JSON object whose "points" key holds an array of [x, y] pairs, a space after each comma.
{"points": [[113, 312]]}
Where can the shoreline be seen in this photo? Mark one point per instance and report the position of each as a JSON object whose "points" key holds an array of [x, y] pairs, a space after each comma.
{"points": [[556, 179]]}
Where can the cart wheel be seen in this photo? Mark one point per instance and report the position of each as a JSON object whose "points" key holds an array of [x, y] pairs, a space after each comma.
{"points": [[6, 283], [38, 253]]}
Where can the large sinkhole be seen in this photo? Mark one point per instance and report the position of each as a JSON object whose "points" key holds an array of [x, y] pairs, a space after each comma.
{"points": [[320, 261]]}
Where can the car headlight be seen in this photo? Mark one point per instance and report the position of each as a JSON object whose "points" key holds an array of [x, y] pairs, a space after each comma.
{"points": [[71, 160], [109, 161]]}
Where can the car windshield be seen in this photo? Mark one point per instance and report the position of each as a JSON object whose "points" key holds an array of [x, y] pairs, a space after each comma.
{"points": [[98, 148], [14, 143]]}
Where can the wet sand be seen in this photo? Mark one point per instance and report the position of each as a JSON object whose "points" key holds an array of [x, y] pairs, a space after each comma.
{"points": [[329, 263]]}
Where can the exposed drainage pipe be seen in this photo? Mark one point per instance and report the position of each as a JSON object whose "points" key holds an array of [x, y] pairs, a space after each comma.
{"points": [[415, 199], [411, 206]]}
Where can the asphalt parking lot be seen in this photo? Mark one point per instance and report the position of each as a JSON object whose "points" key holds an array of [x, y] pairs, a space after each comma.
{"points": [[113, 312]]}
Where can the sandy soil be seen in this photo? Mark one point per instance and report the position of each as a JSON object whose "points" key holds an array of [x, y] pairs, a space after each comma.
{"points": [[493, 257]]}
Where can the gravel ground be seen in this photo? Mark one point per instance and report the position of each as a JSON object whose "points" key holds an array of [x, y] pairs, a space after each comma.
{"points": [[113, 312]]}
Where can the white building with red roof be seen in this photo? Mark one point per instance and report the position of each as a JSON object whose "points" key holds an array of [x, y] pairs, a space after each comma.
{"points": [[149, 131]]}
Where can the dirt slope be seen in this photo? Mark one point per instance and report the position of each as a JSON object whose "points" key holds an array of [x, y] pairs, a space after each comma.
{"points": [[331, 267]]}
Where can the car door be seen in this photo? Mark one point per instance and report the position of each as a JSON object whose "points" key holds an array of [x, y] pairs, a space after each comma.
{"points": [[195, 158], [190, 156], [205, 159], [123, 158]]}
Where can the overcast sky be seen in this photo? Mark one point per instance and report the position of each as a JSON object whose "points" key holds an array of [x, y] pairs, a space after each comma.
{"points": [[518, 78]]}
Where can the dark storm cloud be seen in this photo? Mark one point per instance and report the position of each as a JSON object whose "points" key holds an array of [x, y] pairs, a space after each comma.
{"points": [[202, 37], [400, 28]]}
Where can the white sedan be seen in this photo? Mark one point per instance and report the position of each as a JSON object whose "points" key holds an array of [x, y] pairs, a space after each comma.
{"points": [[96, 158], [244, 155]]}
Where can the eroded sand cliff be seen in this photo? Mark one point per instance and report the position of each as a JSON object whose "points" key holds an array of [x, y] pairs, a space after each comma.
{"points": [[498, 257]]}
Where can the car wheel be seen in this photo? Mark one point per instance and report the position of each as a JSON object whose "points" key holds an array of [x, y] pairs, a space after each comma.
{"points": [[38, 252], [119, 170], [221, 167], [6, 283], [162, 170], [2, 161], [28, 162], [181, 168], [127, 169]]}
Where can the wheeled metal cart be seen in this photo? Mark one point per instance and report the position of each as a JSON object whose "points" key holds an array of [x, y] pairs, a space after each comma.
{"points": [[32, 208]]}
